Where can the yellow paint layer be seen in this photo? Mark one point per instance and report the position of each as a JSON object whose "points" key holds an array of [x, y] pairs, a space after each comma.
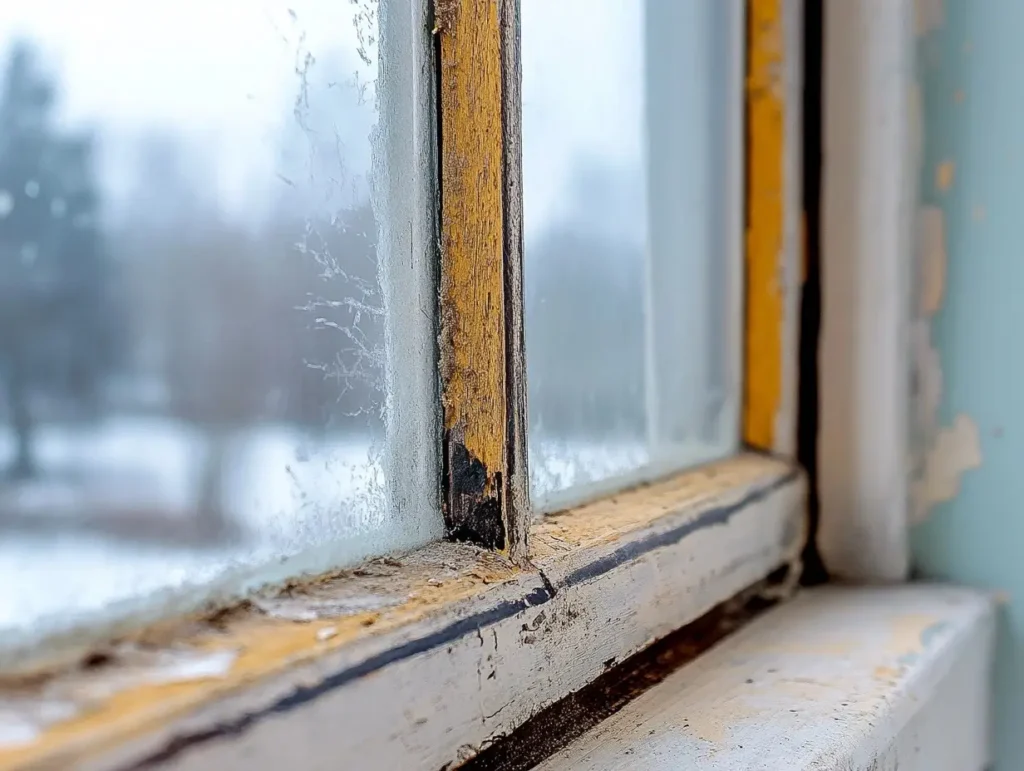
{"points": [[765, 307], [609, 519], [428, 580], [472, 280]]}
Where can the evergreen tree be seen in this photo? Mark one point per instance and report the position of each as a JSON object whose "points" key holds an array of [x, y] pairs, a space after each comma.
{"points": [[59, 332]]}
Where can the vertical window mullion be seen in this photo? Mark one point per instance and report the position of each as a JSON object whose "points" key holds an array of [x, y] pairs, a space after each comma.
{"points": [[482, 383]]}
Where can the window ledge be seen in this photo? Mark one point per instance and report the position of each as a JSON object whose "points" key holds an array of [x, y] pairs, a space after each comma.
{"points": [[839, 678], [417, 662]]}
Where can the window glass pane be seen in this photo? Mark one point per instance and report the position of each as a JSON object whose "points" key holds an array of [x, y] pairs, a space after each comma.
{"points": [[201, 350], [632, 181]]}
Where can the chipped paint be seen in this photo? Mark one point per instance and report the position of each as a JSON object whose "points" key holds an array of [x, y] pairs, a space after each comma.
{"points": [[944, 175], [929, 16], [25, 717], [880, 663], [940, 454], [955, 450], [933, 259]]}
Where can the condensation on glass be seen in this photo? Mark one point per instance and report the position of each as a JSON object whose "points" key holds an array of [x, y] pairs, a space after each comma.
{"points": [[215, 327], [632, 166]]}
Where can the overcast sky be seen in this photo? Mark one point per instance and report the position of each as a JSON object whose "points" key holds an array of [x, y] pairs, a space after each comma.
{"points": [[219, 75]]}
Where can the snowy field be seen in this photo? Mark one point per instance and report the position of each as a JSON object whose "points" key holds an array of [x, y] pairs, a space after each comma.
{"points": [[286, 492]]}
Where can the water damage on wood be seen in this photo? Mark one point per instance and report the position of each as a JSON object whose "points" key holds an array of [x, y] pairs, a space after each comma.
{"points": [[473, 510]]}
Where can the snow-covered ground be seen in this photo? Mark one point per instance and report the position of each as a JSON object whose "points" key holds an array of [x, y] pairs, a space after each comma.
{"points": [[286, 491]]}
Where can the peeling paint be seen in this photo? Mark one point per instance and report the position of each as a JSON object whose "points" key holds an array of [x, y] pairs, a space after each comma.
{"points": [[944, 175], [23, 720], [941, 454], [930, 15], [932, 233], [955, 450]]}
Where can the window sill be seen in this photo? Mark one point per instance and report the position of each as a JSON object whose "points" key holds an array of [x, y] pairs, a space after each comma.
{"points": [[839, 678], [419, 662]]}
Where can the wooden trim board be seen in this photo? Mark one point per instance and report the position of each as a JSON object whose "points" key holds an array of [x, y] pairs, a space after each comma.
{"points": [[482, 374], [419, 661]]}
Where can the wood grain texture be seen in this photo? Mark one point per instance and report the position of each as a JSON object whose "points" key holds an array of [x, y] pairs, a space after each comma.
{"points": [[480, 271], [765, 306]]}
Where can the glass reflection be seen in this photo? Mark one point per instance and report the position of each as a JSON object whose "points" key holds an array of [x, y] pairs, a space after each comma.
{"points": [[192, 359], [630, 140]]}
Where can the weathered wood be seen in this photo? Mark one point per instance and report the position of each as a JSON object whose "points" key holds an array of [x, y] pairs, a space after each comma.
{"points": [[840, 678], [481, 318], [420, 660]]}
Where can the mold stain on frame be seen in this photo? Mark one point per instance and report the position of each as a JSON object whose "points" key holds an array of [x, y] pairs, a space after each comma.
{"points": [[481, 349]]}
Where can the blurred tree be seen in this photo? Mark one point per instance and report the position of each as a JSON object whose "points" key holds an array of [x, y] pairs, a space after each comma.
{"points": [[59, 329]]}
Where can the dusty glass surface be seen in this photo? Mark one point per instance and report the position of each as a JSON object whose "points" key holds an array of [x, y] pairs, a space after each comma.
{"points": [[632, 153], [198, 356]]}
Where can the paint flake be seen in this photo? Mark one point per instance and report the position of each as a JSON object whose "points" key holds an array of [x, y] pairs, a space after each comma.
{"points": [[942, 454], [955, 450]]}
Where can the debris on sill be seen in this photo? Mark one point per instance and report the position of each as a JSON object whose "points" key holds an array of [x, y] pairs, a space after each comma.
{"points": [[24, 717], [310, 609]]}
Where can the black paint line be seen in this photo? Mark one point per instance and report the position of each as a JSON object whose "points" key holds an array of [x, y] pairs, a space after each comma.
{"points": [[502, 611], [719, 515], [307, 693]]}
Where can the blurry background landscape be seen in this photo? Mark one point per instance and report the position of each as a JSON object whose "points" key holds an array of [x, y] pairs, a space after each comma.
{"points": [[191, 324]]}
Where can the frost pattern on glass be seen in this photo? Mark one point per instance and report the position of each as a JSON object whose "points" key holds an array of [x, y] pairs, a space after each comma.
{"points": [[193, 364], [631, 265]]}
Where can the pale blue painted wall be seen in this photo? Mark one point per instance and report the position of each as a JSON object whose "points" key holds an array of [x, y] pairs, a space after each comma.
{"points": [[972, 78]]}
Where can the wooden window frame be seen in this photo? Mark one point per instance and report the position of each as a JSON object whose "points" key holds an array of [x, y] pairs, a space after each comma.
{"points": [[512, 613]]}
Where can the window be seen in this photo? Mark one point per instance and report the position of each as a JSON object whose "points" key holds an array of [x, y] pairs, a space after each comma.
{"points": [[632, 202], [386, 281], [205, 338]]}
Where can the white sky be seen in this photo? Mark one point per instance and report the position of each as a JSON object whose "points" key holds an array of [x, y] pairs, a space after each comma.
{"points": [[220, 75]]}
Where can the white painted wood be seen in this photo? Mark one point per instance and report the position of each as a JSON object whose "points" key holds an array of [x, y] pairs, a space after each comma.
{"points": [[867, 251], [497, 670], [868, 679]]}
